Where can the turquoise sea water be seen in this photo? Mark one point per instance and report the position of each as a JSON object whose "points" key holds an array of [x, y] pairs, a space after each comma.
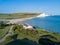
{"points": [[51, 23]]}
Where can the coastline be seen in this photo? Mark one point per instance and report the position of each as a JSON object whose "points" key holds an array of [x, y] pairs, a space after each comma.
{"points": [[15, 21]]}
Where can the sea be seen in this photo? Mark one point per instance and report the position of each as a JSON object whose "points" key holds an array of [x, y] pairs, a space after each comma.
{"points": [[51, 23]]}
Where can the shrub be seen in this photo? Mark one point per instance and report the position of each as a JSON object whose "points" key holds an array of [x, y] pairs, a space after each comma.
{"points": [[8, 38]]}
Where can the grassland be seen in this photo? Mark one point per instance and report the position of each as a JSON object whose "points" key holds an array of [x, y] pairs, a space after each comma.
{"points": [[3, 31], [22, 36], [17, 15]]}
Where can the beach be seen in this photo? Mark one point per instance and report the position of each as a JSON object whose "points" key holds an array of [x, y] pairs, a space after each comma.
{"points": [[15, 21]]}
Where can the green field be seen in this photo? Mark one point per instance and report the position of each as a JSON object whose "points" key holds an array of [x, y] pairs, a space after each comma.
{"points": [[4, 31], [25, 37], [17, 15]]}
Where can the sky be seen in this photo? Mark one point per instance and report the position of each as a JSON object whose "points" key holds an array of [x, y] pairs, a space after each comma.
{"points": [[17, 6]]}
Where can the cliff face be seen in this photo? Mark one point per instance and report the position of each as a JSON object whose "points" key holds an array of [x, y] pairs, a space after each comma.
{"points": [[43, 15]]}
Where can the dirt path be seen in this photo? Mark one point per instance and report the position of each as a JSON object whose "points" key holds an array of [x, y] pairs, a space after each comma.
{"points": [[8, 33]]}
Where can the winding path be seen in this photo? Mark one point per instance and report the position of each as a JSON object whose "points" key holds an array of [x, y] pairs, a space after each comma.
{"points": [[8, 33]]}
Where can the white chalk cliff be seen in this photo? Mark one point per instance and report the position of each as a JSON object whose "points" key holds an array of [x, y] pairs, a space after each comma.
{"points": [[43, 15]]}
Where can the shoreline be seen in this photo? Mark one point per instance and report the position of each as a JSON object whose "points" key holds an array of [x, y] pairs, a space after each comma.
{"points": [[15, 21]]}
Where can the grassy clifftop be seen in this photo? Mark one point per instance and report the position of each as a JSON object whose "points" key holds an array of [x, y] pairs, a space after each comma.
{"points": [[21, 36], [17, 15]]}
